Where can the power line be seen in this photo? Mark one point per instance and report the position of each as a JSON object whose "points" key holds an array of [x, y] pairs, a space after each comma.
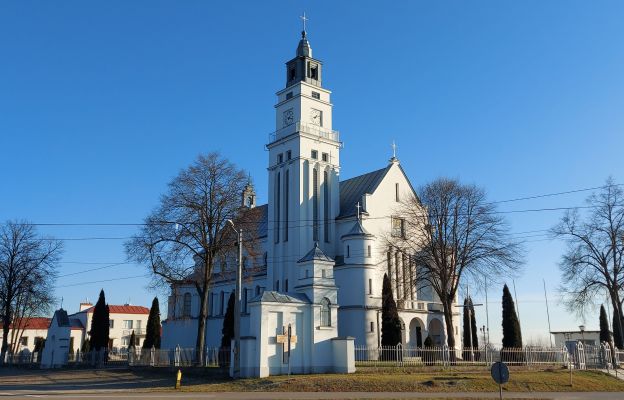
{"points": [[539, 196], [93, 269], [103, 280]]}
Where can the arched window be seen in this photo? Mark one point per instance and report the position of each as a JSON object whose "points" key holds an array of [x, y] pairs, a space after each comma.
{"points": [[186, 305], [325, 312]]}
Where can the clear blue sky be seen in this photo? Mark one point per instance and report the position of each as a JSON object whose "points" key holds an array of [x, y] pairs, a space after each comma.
{"points": [[101, 104]]}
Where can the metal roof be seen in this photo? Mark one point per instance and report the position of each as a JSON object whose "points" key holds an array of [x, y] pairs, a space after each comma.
{"points": [[352, 190], [357, 230], [271, 296], [316, 254]]}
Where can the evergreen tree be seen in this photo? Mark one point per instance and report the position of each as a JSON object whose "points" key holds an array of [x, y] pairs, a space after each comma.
{"points": [[390, 322], [617, 333], [100, 324], [152, 333], [227, 333], [473, 323], [132, 341], [466, 326], [605, 335], [512, 336], [86, 346]]}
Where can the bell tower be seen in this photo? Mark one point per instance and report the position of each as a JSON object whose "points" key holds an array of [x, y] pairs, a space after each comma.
{"points": [[304, 163]]}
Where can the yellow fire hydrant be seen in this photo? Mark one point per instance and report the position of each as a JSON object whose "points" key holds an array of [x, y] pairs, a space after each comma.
{"points": [[178, 379]]}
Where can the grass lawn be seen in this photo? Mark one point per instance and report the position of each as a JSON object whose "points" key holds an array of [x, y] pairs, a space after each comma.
{"points": [[401, 381]]}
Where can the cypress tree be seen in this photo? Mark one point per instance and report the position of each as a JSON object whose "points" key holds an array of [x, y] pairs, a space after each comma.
{"points": [[473, 323], [100, 324], [512, 336], [390, 322], [132, 343], [466, 326], [227, 333], [605, 335], [152, 332], [617, 334]]}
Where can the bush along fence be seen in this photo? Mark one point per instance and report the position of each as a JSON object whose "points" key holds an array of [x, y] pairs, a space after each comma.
{"points": [[580, 357]]}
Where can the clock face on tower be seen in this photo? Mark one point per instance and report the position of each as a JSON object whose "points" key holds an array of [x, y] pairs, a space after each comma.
{"points": [[316, 117], [289, 117]]}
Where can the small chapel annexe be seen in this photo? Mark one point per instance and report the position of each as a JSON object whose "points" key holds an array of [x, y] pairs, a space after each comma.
{"points": [[322, 249]]}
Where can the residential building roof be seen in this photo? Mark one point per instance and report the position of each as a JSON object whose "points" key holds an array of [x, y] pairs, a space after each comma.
{"points": [[31, 323], [125, 309]]}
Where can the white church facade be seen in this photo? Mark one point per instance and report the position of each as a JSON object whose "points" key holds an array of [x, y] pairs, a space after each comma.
{"points": [[323, 249]]}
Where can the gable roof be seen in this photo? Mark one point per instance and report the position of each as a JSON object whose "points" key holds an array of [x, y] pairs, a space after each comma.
{"points": [[31, 323], [352, 190]]}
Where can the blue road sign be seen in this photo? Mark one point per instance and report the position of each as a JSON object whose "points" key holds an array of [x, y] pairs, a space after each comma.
{"points": [[500, 372]]}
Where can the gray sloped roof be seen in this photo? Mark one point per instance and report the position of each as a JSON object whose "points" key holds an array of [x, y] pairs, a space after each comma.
{"points": [[352, 190], [357, 230], [270, 296], [315, 254], [263, 225], [61, 317]]}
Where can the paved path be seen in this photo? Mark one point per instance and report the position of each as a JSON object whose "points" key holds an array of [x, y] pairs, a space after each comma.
{"points": [[307, 396]]}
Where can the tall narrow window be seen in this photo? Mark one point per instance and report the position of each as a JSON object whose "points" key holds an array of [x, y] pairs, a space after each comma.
{"points": [[326, 206], [348, 252], [186, 306], [286, 190], [372, 326], [277, 207], [277, 286], [315, 205], [370, 286], [325, 312], [369, 251], [285, 285], [396, 192], [245, 299], [222, 303]]}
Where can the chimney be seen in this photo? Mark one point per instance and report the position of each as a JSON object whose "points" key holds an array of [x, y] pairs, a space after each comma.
{"points": [[84, 305]]}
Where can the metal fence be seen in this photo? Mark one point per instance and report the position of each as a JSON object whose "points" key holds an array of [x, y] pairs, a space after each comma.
{"points": [[179, 357], [581, 357]]}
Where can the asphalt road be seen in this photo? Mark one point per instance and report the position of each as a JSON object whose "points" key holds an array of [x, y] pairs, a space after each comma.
{"points": [[306, 396]]}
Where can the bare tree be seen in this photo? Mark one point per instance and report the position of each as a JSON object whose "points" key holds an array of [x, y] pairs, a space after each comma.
{"points": [[28, 266], [593, 261], [453, 235], [186, 234]]}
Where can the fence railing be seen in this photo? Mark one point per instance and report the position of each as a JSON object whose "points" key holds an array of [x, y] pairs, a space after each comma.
{"points": [[179, 357], [581, 357]]}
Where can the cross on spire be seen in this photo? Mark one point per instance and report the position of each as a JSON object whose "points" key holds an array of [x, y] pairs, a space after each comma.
{"points": [[358, 210], [304, 19], [394, 147]]}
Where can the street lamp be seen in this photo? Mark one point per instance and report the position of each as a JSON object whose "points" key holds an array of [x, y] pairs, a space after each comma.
{"points": [[582, 328], [237, 304]]}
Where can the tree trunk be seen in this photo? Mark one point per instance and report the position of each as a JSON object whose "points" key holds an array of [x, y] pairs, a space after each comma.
{"points": [[6, 321], [450, 330], [201, 325]]}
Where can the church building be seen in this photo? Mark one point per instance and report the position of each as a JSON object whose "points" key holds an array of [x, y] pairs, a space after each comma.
{"points": [[323, 248]]}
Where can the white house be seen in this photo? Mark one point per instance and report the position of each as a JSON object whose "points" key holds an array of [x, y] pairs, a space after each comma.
{"points": [[66, 333], [323, 245], [27, 332]]}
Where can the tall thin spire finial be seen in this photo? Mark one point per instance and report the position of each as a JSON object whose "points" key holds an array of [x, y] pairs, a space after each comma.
{"points": [[304, 19], [394, 147]]}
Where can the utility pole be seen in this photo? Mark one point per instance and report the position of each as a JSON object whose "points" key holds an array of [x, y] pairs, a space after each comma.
{"points": [[237, 303]]}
